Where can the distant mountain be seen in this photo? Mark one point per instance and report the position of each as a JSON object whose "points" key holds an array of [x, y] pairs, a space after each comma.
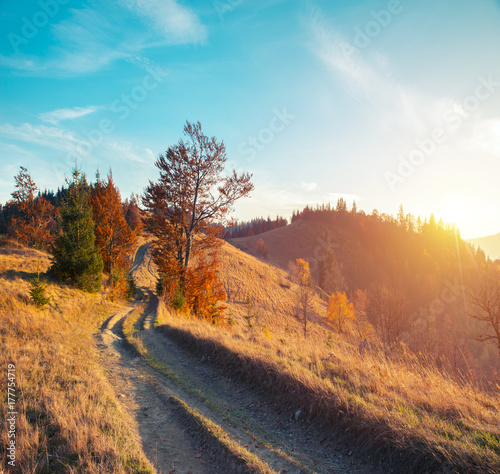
{"points": [[490, 245]]}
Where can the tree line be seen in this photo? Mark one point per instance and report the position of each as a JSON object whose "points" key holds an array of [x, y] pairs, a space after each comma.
{"points": [[414, 281]]}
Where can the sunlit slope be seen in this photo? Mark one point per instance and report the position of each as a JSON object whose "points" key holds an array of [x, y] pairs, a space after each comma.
{"points": [[429, 422], [490, 245], [266, 292], [68, 418], [300, 239]]}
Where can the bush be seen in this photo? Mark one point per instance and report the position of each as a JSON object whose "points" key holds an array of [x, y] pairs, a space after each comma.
{"points": [[131, 288], [178, 300], [37, 292]]}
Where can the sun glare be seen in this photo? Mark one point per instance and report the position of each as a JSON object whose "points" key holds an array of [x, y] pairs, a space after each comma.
{"points": [[454, 210]]}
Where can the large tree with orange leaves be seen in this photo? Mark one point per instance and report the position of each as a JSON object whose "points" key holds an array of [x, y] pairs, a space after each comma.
{"points": [[186, 207], [113, 236], [33, 215]]}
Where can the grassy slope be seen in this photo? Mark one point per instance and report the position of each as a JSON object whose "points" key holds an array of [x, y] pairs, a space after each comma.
{"points": [[423, 417], [68, 417]]}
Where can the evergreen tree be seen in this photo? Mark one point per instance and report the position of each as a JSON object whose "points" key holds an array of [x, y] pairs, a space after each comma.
{"points": [[75, 257]]}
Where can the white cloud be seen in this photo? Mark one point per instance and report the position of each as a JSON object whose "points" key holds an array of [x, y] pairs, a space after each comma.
{"points": [[52, 137], [58, 115], [176, 23], [368, 76], [486, 137], [308, 186], [126, 151]]}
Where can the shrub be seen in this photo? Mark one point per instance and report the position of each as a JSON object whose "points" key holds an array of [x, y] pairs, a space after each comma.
{"points": [[37, 292]]}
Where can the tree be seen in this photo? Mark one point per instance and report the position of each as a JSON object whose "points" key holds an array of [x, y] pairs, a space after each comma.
{"points": [[330, 278], [204, 291], [192, 196], [388, 310], [360, 303], [133, 214], [75, 257], [340, 310], [402, 221], [113, 236], [341, 205], [32, 214], [302, 276], [486, 300], [262, 249]]}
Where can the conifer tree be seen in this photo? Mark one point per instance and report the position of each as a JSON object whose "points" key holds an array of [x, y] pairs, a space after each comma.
{"points": [[75, 257]]}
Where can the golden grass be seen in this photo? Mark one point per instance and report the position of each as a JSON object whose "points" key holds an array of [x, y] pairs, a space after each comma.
{"points": [[425, 419], [68, 418]]}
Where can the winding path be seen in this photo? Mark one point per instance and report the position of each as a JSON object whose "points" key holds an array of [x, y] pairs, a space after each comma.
{"points": [[245, 413]]}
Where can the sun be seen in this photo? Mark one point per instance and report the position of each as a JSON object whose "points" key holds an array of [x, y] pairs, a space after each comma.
{"points": [[454, 210]]}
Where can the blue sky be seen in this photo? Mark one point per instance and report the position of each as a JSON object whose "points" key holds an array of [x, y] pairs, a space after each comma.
{"points": [[385, 102]]}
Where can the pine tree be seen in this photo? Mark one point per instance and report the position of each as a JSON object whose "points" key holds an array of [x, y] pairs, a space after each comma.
{"points": [[75, 257]]}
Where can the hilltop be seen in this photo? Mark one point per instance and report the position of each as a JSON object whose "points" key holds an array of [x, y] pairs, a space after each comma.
{"points": [[428, 268], [490, 245]]}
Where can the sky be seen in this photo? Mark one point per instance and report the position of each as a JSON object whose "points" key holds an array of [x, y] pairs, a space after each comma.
{"points": [[383, 102]]}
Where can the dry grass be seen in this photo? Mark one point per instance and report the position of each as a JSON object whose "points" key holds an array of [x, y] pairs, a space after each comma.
{"points": [[68, 418], [423, 419], [235, 459]]}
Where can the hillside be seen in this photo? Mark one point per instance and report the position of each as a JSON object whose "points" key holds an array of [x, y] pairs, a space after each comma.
{"points": [[417, 267], [389, 402], [68, 418], [490, 245]]}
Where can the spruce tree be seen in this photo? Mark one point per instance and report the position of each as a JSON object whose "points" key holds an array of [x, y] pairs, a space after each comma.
{"points": [[75, 257]]}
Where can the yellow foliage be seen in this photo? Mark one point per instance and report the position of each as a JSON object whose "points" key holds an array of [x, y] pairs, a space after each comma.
{"points": [[340, 310]]}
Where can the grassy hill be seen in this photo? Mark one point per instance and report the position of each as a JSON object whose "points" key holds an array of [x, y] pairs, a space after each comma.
{"points": [[386, 402], [68, 419], [490, 245]]}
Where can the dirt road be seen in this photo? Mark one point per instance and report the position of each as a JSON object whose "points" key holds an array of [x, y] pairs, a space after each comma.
{"points": [[246, 415]]}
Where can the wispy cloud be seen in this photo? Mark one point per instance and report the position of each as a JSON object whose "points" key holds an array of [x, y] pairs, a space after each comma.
{"points": [[485, 137], [87, 41], [369, 78], [59, 115], [69, 143], [309, 186], [52, 137], [175, 23], [127, 151]]}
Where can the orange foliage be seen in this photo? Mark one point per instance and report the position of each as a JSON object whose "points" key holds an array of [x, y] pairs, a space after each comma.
{"points": [[34, 216], [113, 236], [203, 290], [340, 310]]}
